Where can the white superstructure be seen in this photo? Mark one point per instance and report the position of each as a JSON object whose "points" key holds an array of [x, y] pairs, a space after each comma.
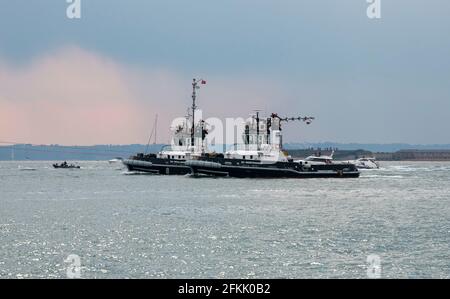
{"points": [[182, 147], [262, 140], [318, 159]]}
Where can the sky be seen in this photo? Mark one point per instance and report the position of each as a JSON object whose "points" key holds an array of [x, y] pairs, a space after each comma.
{"points": [[101, 79]]}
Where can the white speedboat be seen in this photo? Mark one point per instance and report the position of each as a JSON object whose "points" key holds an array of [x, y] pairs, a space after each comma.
{"points": [[366, 163]]}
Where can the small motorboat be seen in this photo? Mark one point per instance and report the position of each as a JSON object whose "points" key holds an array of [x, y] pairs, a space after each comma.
{"points": [[64, 165], [23, 168]]}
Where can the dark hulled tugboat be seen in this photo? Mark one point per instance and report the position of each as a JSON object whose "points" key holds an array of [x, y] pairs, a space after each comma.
{"points": [[261, 156], [188, 141]]}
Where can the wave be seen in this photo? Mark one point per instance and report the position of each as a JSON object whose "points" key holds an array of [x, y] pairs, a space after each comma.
{"points": [[382, 176]]}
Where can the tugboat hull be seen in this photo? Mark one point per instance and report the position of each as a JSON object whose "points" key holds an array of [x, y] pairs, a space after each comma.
{"points": [[277, 170], [157, 166]]}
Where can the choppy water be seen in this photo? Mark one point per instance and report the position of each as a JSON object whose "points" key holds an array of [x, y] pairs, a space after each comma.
{"points": [[144, 226]]}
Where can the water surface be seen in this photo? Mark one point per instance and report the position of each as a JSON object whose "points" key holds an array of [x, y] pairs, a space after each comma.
{"points": [[146, 226]]}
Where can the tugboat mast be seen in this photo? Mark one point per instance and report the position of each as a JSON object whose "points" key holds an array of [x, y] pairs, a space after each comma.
{"points": [[194, 95], [257, 130], [306, 119], [195, 86]]}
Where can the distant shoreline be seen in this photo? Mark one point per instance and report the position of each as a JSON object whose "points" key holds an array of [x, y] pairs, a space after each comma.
{"points": [[28, 152], [401, 155]]}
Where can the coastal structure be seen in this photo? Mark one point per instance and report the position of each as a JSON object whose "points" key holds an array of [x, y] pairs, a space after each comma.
{"points": [[415, 155]]}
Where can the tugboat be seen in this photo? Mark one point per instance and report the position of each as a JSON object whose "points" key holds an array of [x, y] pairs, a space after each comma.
{"points": [[64, 165], [188, 141], [261, 156]]}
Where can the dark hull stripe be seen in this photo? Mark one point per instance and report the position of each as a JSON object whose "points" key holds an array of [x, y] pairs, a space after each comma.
{"points": [[266, 173], [157, 166], [215, 168]]}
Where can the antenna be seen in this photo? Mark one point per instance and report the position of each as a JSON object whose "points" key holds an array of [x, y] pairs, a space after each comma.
{"points": [[307, 119], [257, 129], [195, 86], [151, 134], [156, 127]]}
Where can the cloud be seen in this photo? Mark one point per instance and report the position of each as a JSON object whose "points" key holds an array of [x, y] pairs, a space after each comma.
{"points": [[74, 96], [68, 97]]}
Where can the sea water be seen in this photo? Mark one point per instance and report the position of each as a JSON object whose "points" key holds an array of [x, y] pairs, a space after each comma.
{"points": [[124, 225]]}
